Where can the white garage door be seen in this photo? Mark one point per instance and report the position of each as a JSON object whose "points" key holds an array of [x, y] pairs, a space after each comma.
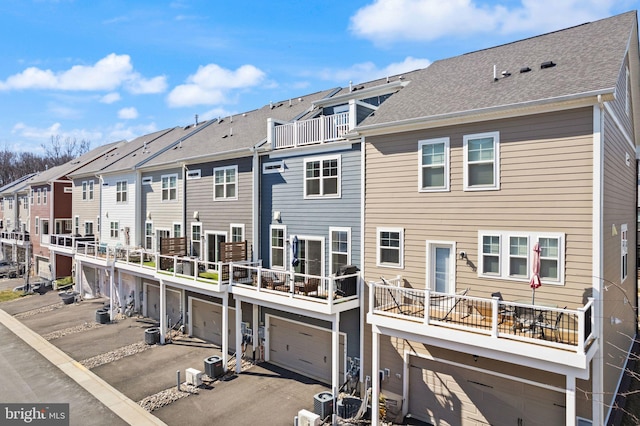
{"points": [[206, 322], [303, 349], [44, 268], [173, 300], [445, 395]]}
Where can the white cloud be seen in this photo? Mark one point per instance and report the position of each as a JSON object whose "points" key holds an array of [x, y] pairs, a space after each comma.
{"points": [[43, 135], [367, 71], [107, 74], [211, 84], [110, 98], [121, 132], [128, 113], [386, 21]]}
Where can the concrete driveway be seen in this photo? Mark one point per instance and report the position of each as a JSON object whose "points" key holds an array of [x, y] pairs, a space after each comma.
{"points": [[262, 394]]}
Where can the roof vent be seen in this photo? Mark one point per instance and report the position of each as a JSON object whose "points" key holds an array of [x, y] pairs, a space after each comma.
{"points": [[506, 73], [524, 69], [548, 64]]}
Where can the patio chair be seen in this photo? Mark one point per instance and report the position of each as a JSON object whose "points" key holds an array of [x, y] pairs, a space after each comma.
{"points": [[503, 312], [554, 326], [458, 300]]}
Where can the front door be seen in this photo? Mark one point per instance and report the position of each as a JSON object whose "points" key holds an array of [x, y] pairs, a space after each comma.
{"points": [[441, 267]]}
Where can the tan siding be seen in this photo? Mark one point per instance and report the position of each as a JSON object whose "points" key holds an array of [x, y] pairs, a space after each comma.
{"points": [[546, 186]]}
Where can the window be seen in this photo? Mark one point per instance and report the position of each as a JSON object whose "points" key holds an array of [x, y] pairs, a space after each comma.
{"points": [[114, 228], [90, 190], [85, 195], [322, 177], [88, 228], [196, 240], [37, 225], [624, 252], [339, 248], [237, 232], [39, 196], [277, 246], [169, 187], [31, 197], [177, 230], [434, 164], [481, 161], [44, 195], [98, 224], [225, 181], [148, 235], [509, 255], [390, 247], [11, 203], [76, 225], [44, 224], [121, 191], [194, 174]]}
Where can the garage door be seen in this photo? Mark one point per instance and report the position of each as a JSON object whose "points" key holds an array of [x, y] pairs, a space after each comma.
{"points": [[44, 268], [206, 321], [445, 395], [303, 349], [173, 299]]}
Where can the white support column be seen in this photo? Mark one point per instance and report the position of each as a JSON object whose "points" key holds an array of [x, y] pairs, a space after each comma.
{"points": [[335, 364], [163, 311], [570, 401], [121, 302], [225, 330], [375, 379], [255, 341], [112, 278], [238, 336]]}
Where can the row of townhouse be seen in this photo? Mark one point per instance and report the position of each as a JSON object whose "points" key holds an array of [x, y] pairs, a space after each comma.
{"points": [[396, 226]]}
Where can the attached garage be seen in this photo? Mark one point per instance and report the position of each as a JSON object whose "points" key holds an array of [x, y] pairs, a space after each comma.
{"points": [[206, 322], [152, 302], [303, 348], [447, 395]]}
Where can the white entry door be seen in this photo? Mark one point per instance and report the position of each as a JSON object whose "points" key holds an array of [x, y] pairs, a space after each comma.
{"points": [[441, 266]]}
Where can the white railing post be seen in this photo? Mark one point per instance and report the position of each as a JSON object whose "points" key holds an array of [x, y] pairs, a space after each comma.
{"points": [[372, 290], [295, 133], [427, 304], [332, 286], [581, 331], [494, 317], [259, 277], [270, 130]]}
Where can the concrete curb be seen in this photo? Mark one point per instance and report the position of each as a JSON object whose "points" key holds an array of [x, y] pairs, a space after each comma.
{"points": [[113, 399]]}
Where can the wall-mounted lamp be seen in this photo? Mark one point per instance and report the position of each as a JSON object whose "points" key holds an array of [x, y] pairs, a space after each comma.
{"points": [[196, 215], [148, 215], [463, 255], [276, 216]]}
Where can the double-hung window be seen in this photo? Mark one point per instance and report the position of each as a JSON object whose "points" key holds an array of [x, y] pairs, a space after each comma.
{"points": [[237, 232], [481, 161], [196, 240], [322, 177], [278, 246], [169, 187], [148, 235], [624, 252], [390, 247], [510, 255], [88, 228], [339, 247], [84, 191], [44, 195], [434, 164], [90, 190], [114, 228], [39, 196], [225, 183], [121, 191]]}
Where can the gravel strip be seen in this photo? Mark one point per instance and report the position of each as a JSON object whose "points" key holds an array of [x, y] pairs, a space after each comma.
{"points": [[115, 355], [71, 330], [33, 312], [167, 396]]}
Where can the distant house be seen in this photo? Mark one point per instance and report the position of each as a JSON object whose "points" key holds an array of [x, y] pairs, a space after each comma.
{"points": [[489, 171]]}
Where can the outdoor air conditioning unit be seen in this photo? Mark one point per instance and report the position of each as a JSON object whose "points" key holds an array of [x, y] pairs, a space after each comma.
{"points": [[194, 377], [323, 404], [307, 418]]}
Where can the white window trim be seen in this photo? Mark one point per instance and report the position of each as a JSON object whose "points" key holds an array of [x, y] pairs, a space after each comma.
{"points": [[504, 254], [339, 177], [339, 229], [447, 169], [111, 230], [284, 248], [624, 252], [301, 238], [400, 265], [430, 247], [194, 174], [44, 196], [38, 197], [152, 235], [91, 189], [125, 191], [85, 227], [85, 190], [225, 198], [496, 161], [200, 241], [168, 177], [236, 225], [273, 167], [76, 225], [173, 229], [37, 225]]}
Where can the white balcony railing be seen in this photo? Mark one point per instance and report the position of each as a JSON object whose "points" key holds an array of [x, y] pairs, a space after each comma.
{"points": [[318, 130]]}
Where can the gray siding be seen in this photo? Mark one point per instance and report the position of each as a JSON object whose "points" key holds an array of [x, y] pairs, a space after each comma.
{"points": [[284, 192], [162, 213], [87, 210]]}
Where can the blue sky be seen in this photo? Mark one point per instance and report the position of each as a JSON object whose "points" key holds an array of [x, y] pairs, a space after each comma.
{"points": [[110, 70]]}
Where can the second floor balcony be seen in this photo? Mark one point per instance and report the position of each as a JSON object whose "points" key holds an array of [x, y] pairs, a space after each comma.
{"points": [[66, 243], [15, 237], [563, 336], [317, 130]]}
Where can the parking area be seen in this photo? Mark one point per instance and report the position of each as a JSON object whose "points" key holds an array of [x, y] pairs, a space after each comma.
{"points": [[116, 352]]}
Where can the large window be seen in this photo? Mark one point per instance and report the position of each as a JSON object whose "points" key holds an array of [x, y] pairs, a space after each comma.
{"points": [[169, 187], [481, 161], [88, 228], [510, 255], [278, 246], [624, 252], [434, 164], [390, 247], [339, 248], [114, 229], [225, 182], [121, 191], [322, 177], [148, 235], [196, 240]]}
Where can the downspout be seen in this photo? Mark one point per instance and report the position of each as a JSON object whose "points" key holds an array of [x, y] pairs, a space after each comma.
{"points": [[255, 205], [597, 259], [363, 306], [52, 215], [184, 201]]}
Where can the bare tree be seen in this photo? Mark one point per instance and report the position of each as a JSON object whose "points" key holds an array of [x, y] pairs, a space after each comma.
{"points": [[60, 151]]}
